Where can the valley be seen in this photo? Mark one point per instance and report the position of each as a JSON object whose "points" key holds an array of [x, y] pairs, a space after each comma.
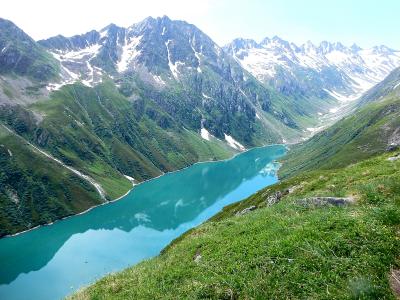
{"points": [[334, 212], [242, 171], [67, 255]]}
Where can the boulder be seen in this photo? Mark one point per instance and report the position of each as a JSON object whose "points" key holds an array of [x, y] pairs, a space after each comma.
{"points": [[325, 201], [246, 210]]}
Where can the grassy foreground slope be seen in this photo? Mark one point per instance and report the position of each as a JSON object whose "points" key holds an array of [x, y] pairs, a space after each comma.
{"points": [[291, 249], [282, 243]]}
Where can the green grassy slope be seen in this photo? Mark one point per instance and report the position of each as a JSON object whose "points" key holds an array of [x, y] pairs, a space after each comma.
{"points": [[285, 251], [35, 190], [382, 89], [22, 56], [293, 249], [102, 134], [366, 133]]}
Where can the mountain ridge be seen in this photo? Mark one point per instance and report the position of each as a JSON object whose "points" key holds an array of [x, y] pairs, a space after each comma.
{"points": [[138, 101], [345, 72], [168, 109]]}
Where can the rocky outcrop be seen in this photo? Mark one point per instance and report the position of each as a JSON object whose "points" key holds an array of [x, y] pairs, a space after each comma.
{"points": [[394, 158], [21, 55], [325, 201], [394, 139], [276, 197], [246, 210]]}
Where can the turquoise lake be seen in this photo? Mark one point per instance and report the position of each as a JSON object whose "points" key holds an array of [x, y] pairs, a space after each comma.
{"points": [[53, 261]]}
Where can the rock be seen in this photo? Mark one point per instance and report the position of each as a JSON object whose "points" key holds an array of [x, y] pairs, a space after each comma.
{"points": [[325, 201], [295, 188], [392, 148], [246, 210], [197, 257], [394, 281], [394, 158], [276, 197], [394, 139]]}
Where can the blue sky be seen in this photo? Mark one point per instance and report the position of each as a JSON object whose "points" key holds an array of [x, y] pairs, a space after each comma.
{"points": [[365, 22]]}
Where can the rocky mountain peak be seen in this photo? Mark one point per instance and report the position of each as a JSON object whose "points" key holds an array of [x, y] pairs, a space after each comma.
{"points": [[21, 55]]}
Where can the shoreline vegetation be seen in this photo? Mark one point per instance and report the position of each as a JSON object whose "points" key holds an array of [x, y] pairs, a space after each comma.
{"points": [[136, 184]]}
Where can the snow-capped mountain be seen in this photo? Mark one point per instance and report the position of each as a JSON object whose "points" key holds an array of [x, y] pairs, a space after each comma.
{"points": [[343, 72], [181, 68], [159, 49]]}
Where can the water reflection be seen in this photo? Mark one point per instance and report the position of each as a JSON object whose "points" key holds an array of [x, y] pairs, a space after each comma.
{"points": [[110, 237]]}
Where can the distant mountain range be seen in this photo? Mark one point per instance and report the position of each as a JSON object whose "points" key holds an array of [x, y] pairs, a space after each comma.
{"points": [[344, 73], [81, 116]]}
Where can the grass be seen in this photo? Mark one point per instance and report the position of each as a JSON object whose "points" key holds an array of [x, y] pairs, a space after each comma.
{"points": [[41, 190], [103, 135], [359, 136], [283, 251]]}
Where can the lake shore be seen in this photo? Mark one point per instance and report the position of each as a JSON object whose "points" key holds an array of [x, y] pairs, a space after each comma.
{"points": [[234, 155]]}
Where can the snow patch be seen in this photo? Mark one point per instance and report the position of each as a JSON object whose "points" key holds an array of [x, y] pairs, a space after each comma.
{"points": [[343, 98], [314, 130], [103, 33], [79, 54], [334, 110], [205, 134], [158, 79], [131, 179], [396, 86], [233, 143], [172, 66], [198, 59], [129, 53], [69, 77]]}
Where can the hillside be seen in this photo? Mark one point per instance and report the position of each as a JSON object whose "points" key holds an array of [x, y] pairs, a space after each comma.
{"points": [[104, 136], [36, 190], [293, 249], [179, 101], [327, 231], [372, 129], [21, 55]]}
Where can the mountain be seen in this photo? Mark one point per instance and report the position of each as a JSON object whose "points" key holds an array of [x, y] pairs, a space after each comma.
{"points": [[327, 69], [332, 223], [183, 70], [371, 129], [387, 86], [21, 55], [125, 105]]}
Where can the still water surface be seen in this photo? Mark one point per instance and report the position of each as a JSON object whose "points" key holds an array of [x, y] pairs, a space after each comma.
{"points": [[52, 261]]}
